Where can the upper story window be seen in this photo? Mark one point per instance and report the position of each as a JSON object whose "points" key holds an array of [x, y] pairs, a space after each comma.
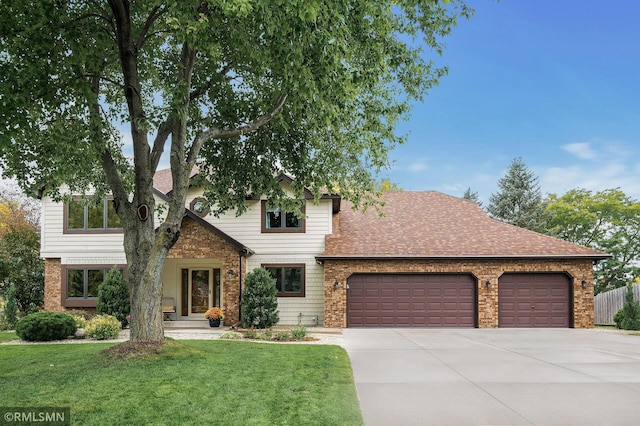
{"points": [[200, 207], [276, 220], [82, 216]]}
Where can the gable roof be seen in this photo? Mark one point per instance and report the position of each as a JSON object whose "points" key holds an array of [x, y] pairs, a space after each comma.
{"points": [[241, 248], [163, 184], [435, 225]]}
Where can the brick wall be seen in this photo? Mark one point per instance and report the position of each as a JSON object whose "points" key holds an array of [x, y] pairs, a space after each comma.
{"points": [[52, 285], [196, 242], [484, 270]]}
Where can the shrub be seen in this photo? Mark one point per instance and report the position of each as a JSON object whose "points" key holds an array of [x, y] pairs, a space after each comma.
{"points": [[87, 315], [11, 308], [113, 296], [282, 336], [299, 333], [259, 301], [45, 326], [103, 327], [628, 318], [231, 335], [80, 321]]}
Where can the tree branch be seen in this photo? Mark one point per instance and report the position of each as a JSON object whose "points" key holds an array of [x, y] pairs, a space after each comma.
{"points": [[164, 130], [156, 12], [208, 135], [199, 91]]}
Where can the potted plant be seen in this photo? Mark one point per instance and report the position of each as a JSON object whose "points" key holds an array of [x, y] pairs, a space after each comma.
{"points": [[214, 315]]}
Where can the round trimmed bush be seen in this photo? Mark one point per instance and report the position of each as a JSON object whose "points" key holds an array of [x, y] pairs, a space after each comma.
{"points": [[102, 327], [45, 326]]}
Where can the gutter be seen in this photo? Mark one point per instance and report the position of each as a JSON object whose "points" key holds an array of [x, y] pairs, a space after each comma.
{"points": [[595, 257]]}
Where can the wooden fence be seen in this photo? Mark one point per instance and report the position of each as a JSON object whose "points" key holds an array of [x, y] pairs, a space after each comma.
{"points": [[607, 304]]}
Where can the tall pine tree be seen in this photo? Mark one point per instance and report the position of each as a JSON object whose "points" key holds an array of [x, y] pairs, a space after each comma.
{"points": [[518, 200]]}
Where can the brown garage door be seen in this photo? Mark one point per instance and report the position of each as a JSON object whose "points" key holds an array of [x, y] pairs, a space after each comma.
{"points": [[534, 300], [411, 300]]}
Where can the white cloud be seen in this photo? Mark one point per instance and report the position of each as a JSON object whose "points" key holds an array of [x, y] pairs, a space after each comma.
{"points": [[418, 166], [581, 150]]}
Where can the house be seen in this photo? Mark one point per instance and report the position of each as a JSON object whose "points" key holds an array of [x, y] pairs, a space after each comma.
{"points": [[432, 260]]}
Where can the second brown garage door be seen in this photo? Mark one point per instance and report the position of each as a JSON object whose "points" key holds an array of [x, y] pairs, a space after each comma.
{"points": [[411, 300], [534, 300]]}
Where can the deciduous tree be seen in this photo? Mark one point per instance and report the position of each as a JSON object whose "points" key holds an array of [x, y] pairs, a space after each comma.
{"points": [[244, 89], [607, 220]]}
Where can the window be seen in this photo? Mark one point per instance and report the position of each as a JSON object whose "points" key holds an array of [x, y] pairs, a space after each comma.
{"points": [[275, 220], [82, 216], [200, 207], [81, 284], [289, 279]]}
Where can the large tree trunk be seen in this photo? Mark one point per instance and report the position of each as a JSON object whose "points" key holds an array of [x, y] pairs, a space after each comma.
{"points": [[146, 249]]}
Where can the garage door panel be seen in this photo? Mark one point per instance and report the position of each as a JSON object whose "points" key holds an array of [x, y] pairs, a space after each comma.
{"points": [[411, 300], [534, 300]]}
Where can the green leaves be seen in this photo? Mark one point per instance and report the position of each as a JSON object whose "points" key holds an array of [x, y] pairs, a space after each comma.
{"points": [[608, 221]]}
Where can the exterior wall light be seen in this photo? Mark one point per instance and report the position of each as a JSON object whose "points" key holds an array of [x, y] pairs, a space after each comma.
{"points": [[584, 284], [336, 285], [229, 274], [488, 284]]}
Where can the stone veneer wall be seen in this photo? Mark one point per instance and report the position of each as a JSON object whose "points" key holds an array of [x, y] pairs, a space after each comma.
{"points": [[195, 242], [335, 307], [53, 285]]}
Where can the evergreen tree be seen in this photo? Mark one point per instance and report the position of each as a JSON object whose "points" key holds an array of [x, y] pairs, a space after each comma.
{"points": [[259, 301], [472, 196], [113, 296], [518, 200]]}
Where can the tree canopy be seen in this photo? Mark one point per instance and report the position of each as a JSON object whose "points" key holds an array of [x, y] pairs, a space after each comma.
{"points": [[519, 199], [243, 89], [472, 196], [608, 221]]}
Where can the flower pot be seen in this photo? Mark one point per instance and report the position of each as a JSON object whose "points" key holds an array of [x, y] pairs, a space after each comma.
{"points": [[214, 322]]}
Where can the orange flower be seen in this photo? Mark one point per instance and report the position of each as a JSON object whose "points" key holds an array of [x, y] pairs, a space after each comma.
{"points": [[214, 313]]}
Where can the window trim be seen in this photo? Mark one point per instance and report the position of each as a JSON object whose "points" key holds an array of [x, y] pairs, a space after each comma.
{"points": [[192, 206], [303, 285], [83, 302], [265, 230], [67, 230]]}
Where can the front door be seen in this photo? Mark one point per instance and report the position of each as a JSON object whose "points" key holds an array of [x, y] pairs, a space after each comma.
{"points": [[201, 290]]}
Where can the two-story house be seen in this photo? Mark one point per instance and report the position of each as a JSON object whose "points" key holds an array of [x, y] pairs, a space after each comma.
{"points": [[431, 260]]}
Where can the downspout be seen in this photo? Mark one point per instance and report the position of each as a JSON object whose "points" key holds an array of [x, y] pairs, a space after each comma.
{"points": [[240, 287]]}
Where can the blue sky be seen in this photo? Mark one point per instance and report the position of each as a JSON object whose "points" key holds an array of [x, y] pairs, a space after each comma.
{"points": [[556, 82]]}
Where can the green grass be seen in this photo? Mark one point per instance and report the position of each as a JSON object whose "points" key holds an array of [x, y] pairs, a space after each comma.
{"points": [[6, 336], [188, 382]]}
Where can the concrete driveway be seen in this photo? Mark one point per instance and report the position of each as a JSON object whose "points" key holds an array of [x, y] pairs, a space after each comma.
{"points": [[495, 376]]}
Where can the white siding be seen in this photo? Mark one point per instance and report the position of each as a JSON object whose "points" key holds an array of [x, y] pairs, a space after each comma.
{"points": [[312, 305], [268, 247], [76, 248]]}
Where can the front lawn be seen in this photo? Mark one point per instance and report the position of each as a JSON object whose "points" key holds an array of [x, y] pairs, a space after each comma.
{"points": [[7, 336], [188, 382]]}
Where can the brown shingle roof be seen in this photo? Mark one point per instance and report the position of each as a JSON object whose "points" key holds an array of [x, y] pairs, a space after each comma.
{"points": [[435, 225], [162, 180]]}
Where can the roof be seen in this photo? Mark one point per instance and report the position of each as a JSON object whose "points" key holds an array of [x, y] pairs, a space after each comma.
{"points": [[163, 181], [435, 225], [241, 248], [163, 184]]}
